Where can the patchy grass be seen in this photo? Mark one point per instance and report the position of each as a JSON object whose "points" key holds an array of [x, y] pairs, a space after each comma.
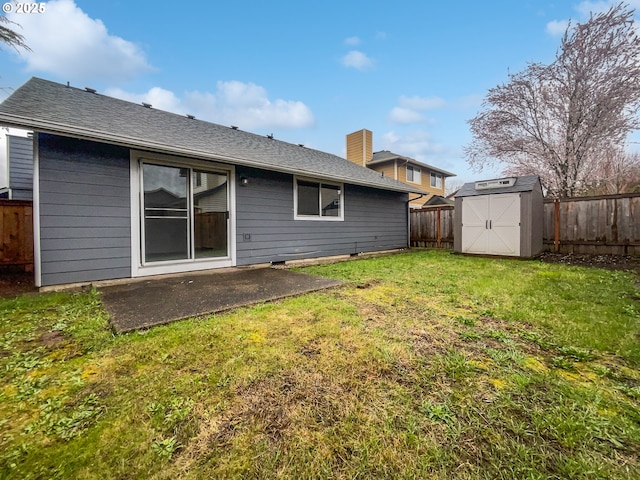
{"points": [[428, 365]]}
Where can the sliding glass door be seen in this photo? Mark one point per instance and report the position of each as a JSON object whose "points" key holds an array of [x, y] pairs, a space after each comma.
{"points": [[210, 214], [185, 213]]}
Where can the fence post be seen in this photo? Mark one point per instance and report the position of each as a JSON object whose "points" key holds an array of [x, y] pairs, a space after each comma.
{"points": [[438, 235], [556, 221]]}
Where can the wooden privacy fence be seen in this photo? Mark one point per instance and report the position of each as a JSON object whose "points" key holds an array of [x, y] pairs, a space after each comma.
{"points": [[211, 230], [607, 224], [432, 227], [16, 235], [602, 225]]}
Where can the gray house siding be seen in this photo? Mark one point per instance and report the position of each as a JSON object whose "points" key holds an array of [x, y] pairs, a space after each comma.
{"points": [[85, 227], [20, 155], [85, 224], [267, 232]]}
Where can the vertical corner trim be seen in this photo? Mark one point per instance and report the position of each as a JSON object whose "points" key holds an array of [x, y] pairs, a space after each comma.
{"points": [[364, 148], [37, 258]]}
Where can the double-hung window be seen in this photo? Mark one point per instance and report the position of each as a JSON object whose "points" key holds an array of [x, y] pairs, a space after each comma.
{"points": [[436, 180], [315, 200], [413, 174]]}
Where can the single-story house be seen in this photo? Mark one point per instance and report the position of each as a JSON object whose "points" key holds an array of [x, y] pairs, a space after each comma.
{"points": [[123, 190]]}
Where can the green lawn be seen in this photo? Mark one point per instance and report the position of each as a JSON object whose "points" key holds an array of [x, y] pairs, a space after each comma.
{"points": [[426, 365]]}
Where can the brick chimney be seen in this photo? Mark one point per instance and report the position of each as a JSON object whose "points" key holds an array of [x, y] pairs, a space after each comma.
{"points": [[360, 147]]}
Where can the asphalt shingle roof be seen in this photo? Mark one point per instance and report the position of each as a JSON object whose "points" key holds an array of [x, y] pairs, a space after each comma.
{"points": [[523, 184], [51, 107], [385, 156]]}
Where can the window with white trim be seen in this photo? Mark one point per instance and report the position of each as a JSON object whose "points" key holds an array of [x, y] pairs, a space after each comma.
{"points": [[436, 180], [316, 200], [414, 175]]}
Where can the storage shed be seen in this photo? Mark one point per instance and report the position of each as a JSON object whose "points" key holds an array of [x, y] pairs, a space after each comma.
{"points": [[502, 217]]}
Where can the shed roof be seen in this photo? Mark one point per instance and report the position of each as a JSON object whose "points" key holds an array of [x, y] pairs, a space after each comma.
{"points": [[386, 156], [438, 200], [52, 107], [522, 184]]}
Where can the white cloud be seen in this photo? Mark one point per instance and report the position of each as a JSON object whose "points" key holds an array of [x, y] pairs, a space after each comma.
{"points": [[390, 138], [587, 8], [417, 145], [358, 60], [405, 116], [158, 97], [584, 10], [352, 41], [422, 103], [557, 27], [248, 106], [468, 102], [66, 42], [410, 108], [232, 103]]}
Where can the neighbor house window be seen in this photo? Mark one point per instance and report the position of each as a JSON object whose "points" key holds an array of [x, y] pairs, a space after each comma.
{"points": [[318, 200], [413, 174], [436, 180]]}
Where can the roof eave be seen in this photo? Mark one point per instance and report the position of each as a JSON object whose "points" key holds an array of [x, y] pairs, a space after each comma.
{"points": [[411, 161]]}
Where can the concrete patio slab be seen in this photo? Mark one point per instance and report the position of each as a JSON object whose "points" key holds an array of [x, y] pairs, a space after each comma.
{"points": [[142, 304]]}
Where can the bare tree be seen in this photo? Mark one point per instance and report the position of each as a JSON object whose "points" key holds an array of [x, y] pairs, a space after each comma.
{"points": [[557, 120], [11, 37], [618, 172], [452, 186]]}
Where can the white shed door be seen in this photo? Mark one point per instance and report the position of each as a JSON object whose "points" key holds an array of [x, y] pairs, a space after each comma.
{"points": [[491, 224], [504, 224], [475, 215]]}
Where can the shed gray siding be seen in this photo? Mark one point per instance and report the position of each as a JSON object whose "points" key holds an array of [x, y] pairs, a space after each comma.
{"points": [[526, 227], [85, 227], [531, 225], [20, 154], [537, 220], [457, 225], [373, 220]]}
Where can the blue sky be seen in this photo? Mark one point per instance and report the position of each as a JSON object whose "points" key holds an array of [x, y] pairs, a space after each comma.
{"points": [[412, 72]]}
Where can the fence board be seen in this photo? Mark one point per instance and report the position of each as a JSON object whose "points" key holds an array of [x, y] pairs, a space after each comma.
{"points": [[432, 227], [16, 234], [608, 224]]}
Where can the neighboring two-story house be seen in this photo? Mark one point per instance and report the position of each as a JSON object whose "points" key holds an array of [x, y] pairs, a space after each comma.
{"points": [[16, 164], [398, 167]]}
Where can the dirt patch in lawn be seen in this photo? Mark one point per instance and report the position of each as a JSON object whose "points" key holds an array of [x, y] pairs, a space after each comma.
{"points": [[13, 284], [52, 339], [609, 262]]}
